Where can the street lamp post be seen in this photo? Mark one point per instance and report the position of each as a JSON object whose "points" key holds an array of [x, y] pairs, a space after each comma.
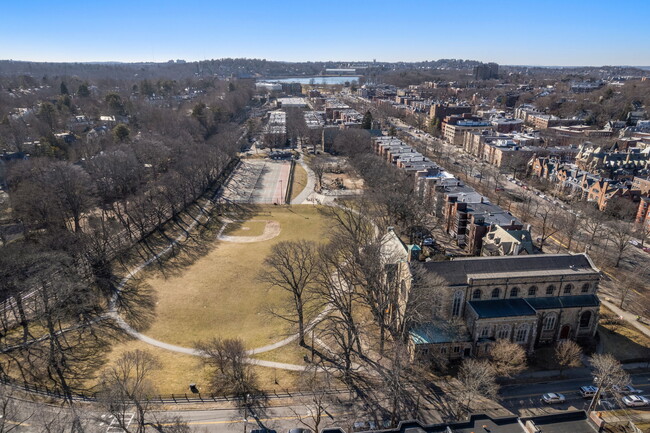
{"points": [[246, 411]]}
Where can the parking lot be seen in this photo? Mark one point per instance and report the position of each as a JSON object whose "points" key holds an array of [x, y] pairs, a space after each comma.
{"points": [[258, 181]]}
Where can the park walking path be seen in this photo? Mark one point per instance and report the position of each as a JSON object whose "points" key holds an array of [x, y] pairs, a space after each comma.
{"points": [[309, 188]]}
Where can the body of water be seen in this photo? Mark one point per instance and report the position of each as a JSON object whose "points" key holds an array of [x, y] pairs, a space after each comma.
{"points": [[313, 80]]}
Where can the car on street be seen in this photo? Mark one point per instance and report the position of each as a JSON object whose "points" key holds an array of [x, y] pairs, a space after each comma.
{"points": [[636, 401], [428, 242], [626, 390], [588, 391], [553, 397]]}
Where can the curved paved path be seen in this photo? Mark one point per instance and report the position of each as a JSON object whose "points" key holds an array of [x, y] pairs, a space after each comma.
{"points": [[309, 188]]}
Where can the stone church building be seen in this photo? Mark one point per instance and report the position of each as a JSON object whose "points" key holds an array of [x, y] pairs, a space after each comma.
{"points": [[531, 300]]}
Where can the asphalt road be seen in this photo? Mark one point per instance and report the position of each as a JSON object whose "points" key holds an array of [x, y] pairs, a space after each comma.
{"points": [[284, 417], [512, 397]]}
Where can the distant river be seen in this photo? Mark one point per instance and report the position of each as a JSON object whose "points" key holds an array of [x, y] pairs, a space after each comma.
{"points": [[314, 80]]}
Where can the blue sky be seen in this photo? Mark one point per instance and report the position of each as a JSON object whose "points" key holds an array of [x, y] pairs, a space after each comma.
{"points": [[541, 32]]}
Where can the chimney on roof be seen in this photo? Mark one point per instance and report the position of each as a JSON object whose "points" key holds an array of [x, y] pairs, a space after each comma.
{"points": [[512, 222], [481, 199], [528, 227]]}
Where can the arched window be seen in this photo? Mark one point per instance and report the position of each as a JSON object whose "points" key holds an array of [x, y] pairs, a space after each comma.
{"points": [[504, 332], [532, 291], [585, 288], [567, 289], [455, 306], [496, 293], [550, 289], [585, 319], [485, 332], [549, 322], [476, 294], [514, 292], [522, 334]]}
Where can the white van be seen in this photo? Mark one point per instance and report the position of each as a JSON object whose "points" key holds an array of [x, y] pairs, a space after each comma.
{"points": [[588, 391]]}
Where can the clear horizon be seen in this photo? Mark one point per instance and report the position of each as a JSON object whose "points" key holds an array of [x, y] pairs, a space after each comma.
{"points": [[553, 33]]}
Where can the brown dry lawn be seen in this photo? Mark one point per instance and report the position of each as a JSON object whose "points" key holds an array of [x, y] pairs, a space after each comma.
{"points": [[219, 294], [623, 341], [299, 181], [246, 228], [177, 371]]}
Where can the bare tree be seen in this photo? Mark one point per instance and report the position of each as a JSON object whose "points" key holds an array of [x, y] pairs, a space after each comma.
{"points": [[477, 379], [128, 384], [550, 218], [569, 225], [317, 383], [608, 373], [292, 266], [594, 222], [642, 231], [507, 358], [622, 233], [568, 354], [231, 373], [318, 166]]}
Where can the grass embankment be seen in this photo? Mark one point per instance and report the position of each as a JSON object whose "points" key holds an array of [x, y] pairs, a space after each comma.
{"points": [[621, 339], [299, 180]]}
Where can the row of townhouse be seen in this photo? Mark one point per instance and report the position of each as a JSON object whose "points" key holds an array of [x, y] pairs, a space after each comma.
{"points": [[466, 215], [582, 185]]}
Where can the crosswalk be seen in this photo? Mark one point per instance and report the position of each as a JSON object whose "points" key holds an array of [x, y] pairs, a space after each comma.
{"points": [[114, 424]]}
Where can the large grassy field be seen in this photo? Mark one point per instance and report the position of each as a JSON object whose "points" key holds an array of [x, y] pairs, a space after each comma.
{"points": [[219, 294]]}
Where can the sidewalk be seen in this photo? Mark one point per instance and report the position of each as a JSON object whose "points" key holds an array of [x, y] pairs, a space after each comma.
{"points": [[628, 317], [572, 373]]}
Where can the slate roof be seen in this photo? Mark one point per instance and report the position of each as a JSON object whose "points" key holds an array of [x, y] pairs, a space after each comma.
{"points": [[563, 302], [502, 308], [456, 271], [434, 333]]}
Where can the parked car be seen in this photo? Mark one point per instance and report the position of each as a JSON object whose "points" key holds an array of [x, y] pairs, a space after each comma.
{"points": [[553, 397], [360, 426], [428, 242], [498, 188], [626, 390], [636, 401], [588, 391]]}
